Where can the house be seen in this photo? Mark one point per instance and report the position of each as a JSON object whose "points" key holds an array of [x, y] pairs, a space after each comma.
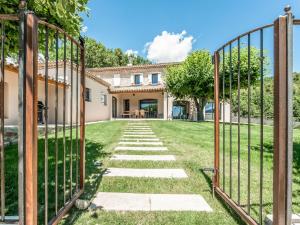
{"points": [[139, 92], [98, 104]]}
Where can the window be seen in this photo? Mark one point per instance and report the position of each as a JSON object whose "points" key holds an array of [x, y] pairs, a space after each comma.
{"points": [[88, 97], [104, 99], [137, 79], [126, 105], [154, 78]]}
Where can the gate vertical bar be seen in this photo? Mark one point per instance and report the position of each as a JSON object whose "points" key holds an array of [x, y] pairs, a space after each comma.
{"points": [[28, 120], [217, 127], [282, 119], [2, 131], [64, 118], [46, 121], [82, 115]]}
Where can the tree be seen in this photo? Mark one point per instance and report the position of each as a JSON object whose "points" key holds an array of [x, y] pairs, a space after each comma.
{"points": [[268, 99], [229, 70], [192, 79], [97, 55], [64, 14]]}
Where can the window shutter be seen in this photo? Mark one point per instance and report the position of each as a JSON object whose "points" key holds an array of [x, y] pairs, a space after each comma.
{"points": [[132, 79], [149, 78], [142, 78], [159, 78]]}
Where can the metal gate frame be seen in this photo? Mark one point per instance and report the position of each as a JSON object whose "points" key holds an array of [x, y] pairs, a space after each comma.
{"points": [[27, 126], [283, 122]]}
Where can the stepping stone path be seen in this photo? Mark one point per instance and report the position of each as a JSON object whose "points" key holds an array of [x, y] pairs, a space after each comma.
{"points": [[138, 136]]}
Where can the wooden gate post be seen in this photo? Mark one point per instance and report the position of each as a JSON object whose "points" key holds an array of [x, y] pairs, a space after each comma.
{"points": [[216, 123], [283, 119], [28, 136]]}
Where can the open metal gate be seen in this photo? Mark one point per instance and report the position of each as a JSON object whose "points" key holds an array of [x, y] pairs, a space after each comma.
{"points": [[49, 156], [241, 176]]}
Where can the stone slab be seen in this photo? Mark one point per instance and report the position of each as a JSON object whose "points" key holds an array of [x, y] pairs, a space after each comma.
{"points": [[149, 173], [138, 128], [139, 143], [136, 148], [295, 219], [139, 135], [144, 157], [138, 132], [111, 201], [140, 139]]}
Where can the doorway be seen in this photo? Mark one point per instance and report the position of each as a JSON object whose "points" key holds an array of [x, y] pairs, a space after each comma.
{"points": [[114, 107]]}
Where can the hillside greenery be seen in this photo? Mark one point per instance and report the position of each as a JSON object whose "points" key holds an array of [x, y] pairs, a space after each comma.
{"points": [[268, 105]]}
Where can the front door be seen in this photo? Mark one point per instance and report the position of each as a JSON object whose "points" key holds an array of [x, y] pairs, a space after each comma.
{"points": [[114, 107]]}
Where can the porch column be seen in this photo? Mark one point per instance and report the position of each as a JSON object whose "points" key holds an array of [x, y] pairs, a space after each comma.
{"points": [[168, 105]]}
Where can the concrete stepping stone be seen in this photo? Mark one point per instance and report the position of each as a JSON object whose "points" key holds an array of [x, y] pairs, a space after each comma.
{"points": [[150, 173], [138, 132], [140, 139], [138, 124], [139, 143], [144, 157], [139, 128], [140, 148], [139, 135], [111, 201]]}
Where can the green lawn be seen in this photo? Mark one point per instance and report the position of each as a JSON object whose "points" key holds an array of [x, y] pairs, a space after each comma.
{"points": [[192, 143]]}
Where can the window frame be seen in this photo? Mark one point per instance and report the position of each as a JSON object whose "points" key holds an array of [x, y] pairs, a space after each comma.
{"points": [[88, 98], [134, 79], [157, 74]]}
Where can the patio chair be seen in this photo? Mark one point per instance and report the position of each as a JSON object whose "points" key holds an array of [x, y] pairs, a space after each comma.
{"points": [[142, 113], [136, 113]]}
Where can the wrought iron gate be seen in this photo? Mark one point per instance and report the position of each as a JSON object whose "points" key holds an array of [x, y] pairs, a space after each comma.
{"points": [[50, 161], [236, 180]]}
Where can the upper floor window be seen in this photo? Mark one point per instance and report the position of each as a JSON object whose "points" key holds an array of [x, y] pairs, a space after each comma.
{"points": [[88, 95], [137, 79], [154, 78]]}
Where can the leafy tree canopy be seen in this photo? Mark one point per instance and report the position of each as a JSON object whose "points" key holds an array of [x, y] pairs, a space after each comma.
{"points": [[229, 69], [97, 55], [65, 14], [268, 100], [192, 79]]}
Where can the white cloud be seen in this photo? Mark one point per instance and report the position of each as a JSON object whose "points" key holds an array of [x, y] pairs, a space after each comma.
{"points": [[169, 47], [84, 29], [131, 52]]}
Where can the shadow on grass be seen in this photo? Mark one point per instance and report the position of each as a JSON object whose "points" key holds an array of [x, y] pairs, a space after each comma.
{"points": [[220, 200], [94, 172]]}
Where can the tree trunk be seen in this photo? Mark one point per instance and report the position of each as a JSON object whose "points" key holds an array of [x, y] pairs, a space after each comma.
{"points": [[200, 104]]}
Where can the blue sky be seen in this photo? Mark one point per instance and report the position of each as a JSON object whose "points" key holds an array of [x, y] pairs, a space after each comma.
{"points": [[130, 24]]}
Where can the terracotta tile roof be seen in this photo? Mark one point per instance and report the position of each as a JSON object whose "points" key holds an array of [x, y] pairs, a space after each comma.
{"points": [[131, 89], [52, 65], [15, 68], [126, 68]]}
